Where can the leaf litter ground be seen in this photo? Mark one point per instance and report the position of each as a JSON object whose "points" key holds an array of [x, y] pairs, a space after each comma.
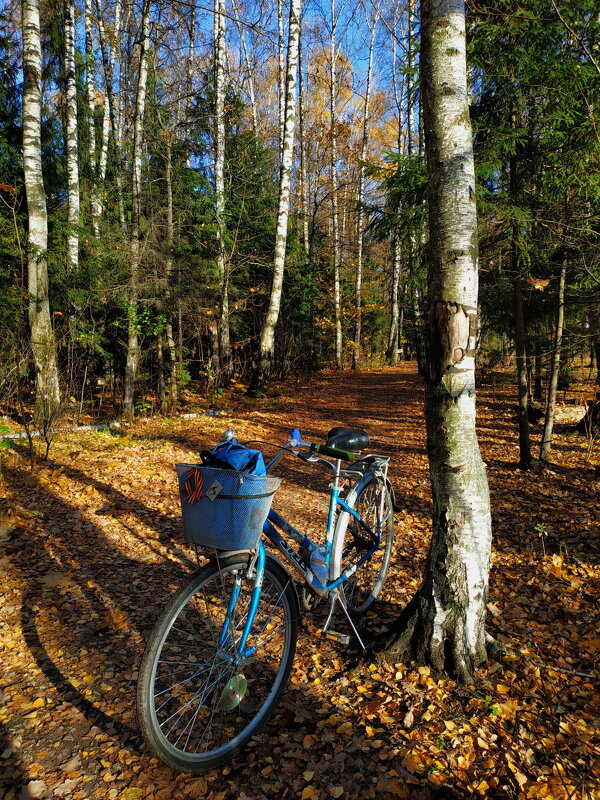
{"points": [[91, 547]]}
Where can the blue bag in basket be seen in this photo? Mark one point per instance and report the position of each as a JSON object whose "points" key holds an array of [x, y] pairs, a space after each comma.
{"points": [[233, 455]]}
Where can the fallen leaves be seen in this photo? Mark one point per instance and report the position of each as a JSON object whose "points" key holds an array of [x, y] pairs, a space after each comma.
{"points": [[94, 549]]}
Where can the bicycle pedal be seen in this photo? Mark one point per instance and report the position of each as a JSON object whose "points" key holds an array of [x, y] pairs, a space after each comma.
{"points": [[341, 638]]}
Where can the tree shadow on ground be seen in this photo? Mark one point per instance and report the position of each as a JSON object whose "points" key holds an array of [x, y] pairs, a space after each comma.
{"points": [[88, 603]]}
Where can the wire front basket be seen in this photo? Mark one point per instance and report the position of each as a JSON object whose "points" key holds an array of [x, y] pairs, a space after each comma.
{"points": [[222, 508]]}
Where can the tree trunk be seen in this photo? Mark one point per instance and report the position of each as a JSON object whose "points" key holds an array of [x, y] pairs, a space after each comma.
{"points": [[444, 623], [594, 316], [71, 139], [43, 343], [304, 188], [267, 339], [172, 391], [249, 72], [554, 369], [525, 459], [90, 91], [538, 389], [361, 200], [335, 222], [133, 345], [189, 82], [108, 60], [394, 334], [418, 326], [281, 79], [219, 122]]}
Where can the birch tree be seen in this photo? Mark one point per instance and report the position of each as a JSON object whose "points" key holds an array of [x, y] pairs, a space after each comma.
{"points": [[43, 343], [71, 138], [360, 223], [444, 623], [90, 92], [133, 345], [224, 355], [396, 316], [304, 187], [111, 108], [267, 338], [335, 217]]}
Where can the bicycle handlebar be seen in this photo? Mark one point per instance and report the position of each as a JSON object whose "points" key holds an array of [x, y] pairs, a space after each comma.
{"points": [[321, 449], [333, 452]]}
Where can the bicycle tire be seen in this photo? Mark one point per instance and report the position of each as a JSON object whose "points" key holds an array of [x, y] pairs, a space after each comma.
{"points": [[184, 714], [361, 589]]}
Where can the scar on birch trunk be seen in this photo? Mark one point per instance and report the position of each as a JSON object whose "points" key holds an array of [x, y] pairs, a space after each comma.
{"points": [[451, 333]]}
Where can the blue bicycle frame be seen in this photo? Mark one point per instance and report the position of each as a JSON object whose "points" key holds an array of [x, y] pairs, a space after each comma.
{"points": [[271, 525]]}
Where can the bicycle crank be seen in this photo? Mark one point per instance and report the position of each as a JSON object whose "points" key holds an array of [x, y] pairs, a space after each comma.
{"points": [[233, 692]]}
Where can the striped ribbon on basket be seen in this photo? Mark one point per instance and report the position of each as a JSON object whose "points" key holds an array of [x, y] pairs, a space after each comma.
{"points": [[193, 484]]}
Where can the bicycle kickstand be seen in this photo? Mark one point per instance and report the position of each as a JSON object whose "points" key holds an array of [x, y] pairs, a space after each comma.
{"points": [[342, 638]]}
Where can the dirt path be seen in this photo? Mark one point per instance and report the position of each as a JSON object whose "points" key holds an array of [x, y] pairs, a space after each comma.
{"points": [[90, 547]]}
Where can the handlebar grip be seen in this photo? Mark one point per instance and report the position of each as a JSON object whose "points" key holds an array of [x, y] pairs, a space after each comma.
{"points": [[323, 450]]}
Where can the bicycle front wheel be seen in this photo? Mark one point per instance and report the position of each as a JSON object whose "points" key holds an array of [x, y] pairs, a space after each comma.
{"points": [[198, 704], [352, 542]]}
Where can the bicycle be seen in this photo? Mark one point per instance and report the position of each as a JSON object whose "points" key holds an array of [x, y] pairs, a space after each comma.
{"points": [[222, 650]]}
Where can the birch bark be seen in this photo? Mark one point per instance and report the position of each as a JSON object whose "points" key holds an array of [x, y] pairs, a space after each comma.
{"points": [[43, 343], [395, 331], [360, 224], [335, 222], [249, 70], [267, 339], [112, 109], [444, 623], [224, 356], [71, 139], [281, 79], [172, 394], [133, 346], [304, 187], [90, 91]]}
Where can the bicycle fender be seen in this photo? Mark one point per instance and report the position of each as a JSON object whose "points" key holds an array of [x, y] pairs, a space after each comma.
{"points": [[390, 488]]}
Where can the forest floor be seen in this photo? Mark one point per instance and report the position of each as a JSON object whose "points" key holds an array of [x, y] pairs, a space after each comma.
{"points": [[91, 547]]}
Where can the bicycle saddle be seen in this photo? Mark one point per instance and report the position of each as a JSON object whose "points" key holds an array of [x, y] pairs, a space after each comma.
{"points": [[352, 439]]}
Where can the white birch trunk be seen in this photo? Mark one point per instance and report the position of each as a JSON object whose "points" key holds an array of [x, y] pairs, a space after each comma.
{"points": [[394, 332], [172, 400], [267, 339], [103, 159], [444, 623], [71, 139], [43, 343], [133, 347], [219, 122], [112, 101], [304, 187], [189, 80], [280, 79], [90, 91], [335, 223], [360, 233], [249, 70]]}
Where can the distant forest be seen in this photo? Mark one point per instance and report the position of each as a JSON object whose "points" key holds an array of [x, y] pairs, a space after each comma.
{"points": [[196, 195]]}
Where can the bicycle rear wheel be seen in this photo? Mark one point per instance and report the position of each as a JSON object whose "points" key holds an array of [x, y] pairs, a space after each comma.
{"points": [[197, 706], [352, 542]]}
